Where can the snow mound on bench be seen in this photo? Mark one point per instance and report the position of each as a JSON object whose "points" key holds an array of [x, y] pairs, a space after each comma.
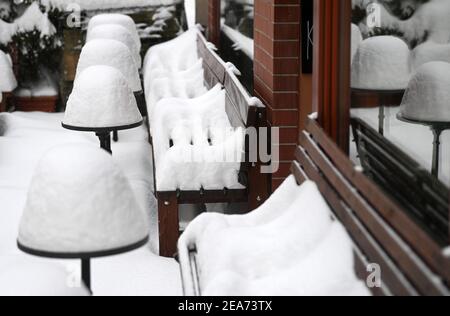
{"points": [[71, 184], [173, 56], [290, 246], [195, 146], [110, 53], [381, 63]]}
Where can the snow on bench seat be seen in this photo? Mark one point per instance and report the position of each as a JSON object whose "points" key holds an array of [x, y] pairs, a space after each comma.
{"points": [[289, 246]]}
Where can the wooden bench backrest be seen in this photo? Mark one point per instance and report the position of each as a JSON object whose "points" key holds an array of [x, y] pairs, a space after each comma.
{"points": [[242, 109], [411, 262]]}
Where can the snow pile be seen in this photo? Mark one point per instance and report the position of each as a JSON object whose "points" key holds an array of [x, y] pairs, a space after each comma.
{"points": [[34, 19], [101, 97], [25, 278], [289, 246], [7, 79], [173, 56], [105, 4], [115, 18], [194, 144], [381, 63], [428, 94], [79, 202], [430, 51], [173, 69], [110, 53], [7, 31], [119, 33], [357, 39]]}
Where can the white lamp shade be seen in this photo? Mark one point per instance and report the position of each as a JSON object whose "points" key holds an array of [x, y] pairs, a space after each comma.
{"points": [[8, 81], [101, 98], [428, 95], [118, 33], [116, 18], [110, 53], [80, 203], [381, 63]]}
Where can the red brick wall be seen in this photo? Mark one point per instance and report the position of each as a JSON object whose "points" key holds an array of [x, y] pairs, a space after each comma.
{"points": [[214, 21], [277, 70]]}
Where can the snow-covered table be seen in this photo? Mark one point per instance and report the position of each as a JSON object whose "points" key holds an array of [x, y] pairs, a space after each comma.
{"points": [[24, 138]]}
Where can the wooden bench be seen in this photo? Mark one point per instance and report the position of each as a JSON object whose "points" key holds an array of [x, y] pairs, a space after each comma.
{"points": [[411, 262], [242, 111]]}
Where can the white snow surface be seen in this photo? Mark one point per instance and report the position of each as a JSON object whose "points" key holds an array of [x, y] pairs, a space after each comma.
{"points": [[79, 201], [381, 63], [119, 33], [289, 246], [110, 53], [101, 97], [206, 153], [428, 94], [175, 55], [106, 4], [25, 277], [116, 18], [24, 139], [8, 81]]}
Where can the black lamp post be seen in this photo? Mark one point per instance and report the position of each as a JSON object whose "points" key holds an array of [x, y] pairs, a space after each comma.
{"points": [[437, 128]]}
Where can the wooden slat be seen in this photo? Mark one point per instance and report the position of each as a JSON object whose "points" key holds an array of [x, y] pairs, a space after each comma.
{"points": [[207, 196], [392, 276], [237, 96], [417, 238], [299, 174], [412, 265]]}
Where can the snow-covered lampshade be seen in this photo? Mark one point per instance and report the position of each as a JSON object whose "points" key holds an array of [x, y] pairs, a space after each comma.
{"points": [[101, 99], [80, 205], [118, 33], [110, 53], [116, 18], [427, 97], [79, 202], [381, 63], [8, 81]]}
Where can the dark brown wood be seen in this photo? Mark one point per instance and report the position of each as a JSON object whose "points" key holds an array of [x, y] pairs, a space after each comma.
{"points": [[214, 21], [168, 221], [331, 75], [396, 282], [373, 99], [417, 238], [31, 104], [410, 263]]}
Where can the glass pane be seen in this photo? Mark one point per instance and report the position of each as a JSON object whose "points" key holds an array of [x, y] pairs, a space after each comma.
{"points": [[401, 102], [237, 45]]}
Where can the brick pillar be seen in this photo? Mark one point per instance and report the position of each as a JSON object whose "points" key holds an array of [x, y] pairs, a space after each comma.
{"points": [[277, 71], [214, 21]]}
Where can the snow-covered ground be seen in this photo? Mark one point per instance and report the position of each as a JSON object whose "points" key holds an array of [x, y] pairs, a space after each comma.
{"points": [[414, 140], [24, 138]]}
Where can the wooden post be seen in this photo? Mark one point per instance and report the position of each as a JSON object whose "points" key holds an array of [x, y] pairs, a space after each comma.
{"points": [[169, 227], [214, 22], [331, 75]]}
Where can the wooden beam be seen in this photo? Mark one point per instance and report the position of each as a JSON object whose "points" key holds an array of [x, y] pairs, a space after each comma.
{"points": [[214, 22], [331, 75]]}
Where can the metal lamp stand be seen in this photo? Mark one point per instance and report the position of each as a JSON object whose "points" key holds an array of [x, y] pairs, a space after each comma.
{"points": [[385, 98], [103, 133], [437, 128], [84, 257]]}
